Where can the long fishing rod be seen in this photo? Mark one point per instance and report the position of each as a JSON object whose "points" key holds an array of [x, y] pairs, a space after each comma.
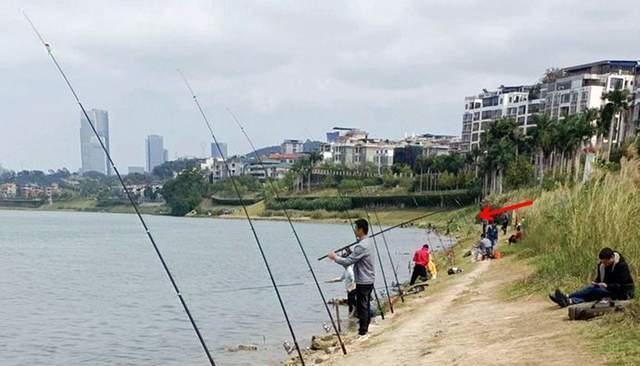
{"points": [[386, 246], [353, 229], [274, 189], [384, 231], [126, 190], [246, 213], [384, 276]]}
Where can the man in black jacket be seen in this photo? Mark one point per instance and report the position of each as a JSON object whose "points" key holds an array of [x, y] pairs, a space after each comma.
{"points": [[613, 280]]}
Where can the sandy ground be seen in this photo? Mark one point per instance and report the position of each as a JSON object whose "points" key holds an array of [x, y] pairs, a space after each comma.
{"points": [[469, 322]]}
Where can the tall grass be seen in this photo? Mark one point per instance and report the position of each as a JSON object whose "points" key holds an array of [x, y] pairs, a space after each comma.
{"points": [[566, 228]]}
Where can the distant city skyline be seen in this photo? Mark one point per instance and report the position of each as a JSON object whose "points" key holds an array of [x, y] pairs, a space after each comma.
{"points": [[155, 152], [289, 72], [91, 152]]}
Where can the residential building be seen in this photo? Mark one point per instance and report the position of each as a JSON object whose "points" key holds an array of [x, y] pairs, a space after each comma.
{"points": [[135, 170], [311, 146], [354, 153], [92, 155], [286, 158], [8, 190], [215, 153], [273, 169], [217, 169], [581, 88], [291, 147], [434, 144], [155, 152], [481, 111]]}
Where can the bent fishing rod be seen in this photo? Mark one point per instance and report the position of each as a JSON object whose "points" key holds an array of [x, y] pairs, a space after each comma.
{"points": [[386, 246], [248, 217], [384, 231], [274, 189], [127, 191]]}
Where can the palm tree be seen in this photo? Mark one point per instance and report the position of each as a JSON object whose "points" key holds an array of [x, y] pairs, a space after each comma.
{"points": [[618, 103], [543, 140]]}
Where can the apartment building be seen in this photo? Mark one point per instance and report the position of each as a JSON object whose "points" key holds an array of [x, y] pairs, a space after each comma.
{"points": [[481, 111], [581, 88], [217, 169]]}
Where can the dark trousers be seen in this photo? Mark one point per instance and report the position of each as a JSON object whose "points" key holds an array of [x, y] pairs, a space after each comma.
{"points": [[363, 299], [418, 271], [589, 293], [351, 300]]}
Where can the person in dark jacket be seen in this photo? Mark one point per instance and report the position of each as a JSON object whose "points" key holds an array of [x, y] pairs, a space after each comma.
{"points": [[492, 234], [613, 280]]}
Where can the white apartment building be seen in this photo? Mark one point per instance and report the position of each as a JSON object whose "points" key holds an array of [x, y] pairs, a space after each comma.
{"points": [[292, 147], [356, 153], [582, 86], [217, 169], [480, 111], [434, 145]]}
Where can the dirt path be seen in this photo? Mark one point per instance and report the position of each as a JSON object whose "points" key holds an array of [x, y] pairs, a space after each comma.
{"points": [[469, 323]]}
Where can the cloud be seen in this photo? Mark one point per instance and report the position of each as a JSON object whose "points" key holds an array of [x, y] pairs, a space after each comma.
{"points": [[292, 69]]}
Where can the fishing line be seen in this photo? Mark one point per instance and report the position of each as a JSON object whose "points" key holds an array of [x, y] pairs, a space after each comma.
{"points": [[353, 229], [126, 190], [255, 288], [385, 231], [246, 213], [386, 245], [274, 189], [384, 277]]}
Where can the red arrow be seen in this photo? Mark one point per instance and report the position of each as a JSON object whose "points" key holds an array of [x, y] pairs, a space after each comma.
{"points": [[488, 214]]}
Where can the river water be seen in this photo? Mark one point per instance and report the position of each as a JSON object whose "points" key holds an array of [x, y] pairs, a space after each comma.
{"points": [[87, 288]]}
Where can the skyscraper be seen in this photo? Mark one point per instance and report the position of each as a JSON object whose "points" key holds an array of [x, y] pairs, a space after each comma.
{"points": [[214, 150], [92, 156], [155, 152]]}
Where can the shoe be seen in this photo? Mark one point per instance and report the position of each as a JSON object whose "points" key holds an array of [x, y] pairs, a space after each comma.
{"points": [[563, 300], [362, 337], [553, 298]]}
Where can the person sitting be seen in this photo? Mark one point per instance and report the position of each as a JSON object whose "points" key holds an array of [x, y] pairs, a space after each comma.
{"points": [[514, 238], [421, 260], [613, 281]]}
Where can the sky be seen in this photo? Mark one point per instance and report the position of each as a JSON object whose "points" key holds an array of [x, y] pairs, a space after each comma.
{"points": [[288, 69]]}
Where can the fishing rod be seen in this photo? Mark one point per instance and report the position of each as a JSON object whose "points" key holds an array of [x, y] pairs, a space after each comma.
{"points": [[386, 246], [274, 189], [246, 213], [384, 276], [296, 284], [127, 191], [384, 231]]}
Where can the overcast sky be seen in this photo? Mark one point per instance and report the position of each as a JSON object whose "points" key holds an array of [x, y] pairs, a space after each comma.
{"points": [[289, 69]]}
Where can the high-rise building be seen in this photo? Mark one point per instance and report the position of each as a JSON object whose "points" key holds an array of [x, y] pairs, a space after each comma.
{"points": [[155, 152], [93, 157], [214, 150], [481, 111]]}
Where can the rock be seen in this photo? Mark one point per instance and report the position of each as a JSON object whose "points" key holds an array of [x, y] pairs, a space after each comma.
{"points": [[323, 343], [320, 359], [241, 347]]}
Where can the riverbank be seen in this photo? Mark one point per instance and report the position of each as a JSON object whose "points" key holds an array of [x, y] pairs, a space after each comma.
{"points": [[470, 320], [257, 211]]}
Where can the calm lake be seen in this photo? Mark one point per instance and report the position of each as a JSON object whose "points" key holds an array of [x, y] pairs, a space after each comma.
{"points": [[87, 288]]}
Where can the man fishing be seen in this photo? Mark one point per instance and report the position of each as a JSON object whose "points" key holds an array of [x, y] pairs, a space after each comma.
{"points": [[364, 272], [421, 261]]}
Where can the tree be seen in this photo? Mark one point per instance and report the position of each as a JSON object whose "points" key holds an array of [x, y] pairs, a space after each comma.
{"points": [[184, 193], [618, 102]]}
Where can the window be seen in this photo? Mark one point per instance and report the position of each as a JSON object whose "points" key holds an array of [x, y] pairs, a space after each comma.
{"points": [[476, 126], [565, 98], [616, 83], [476, 116], [490, 101], [572, 109], [521, 121], [534, 108], [522, 109], [564, 111], [585, 95], [512, 111], [563, 86], [474, 137]]}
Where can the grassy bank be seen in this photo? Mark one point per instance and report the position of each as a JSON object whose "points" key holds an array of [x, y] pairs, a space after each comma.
{"points": [[564, 231]]}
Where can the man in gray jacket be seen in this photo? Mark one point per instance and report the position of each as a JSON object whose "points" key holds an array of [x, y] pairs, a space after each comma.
{"points": [[362, 260]]}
